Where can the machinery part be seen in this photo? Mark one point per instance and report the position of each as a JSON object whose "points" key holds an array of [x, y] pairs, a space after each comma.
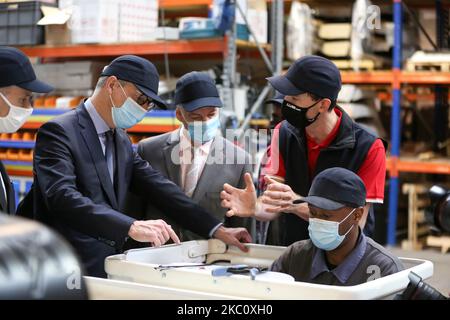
{"points": [[237, 269], [419, 290], [35, 263], [440, 207]]}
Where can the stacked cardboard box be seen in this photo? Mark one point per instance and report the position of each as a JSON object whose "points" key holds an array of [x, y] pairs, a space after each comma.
{"points": [[70, 76], [101, 21]]}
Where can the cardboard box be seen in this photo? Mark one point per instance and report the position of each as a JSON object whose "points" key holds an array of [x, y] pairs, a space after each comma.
{"points": [[70, 76], [166, 33], [257, 17], [138, 20], [57, 31], [427, 18], [255, 12], [102, 21], [95, 21]]}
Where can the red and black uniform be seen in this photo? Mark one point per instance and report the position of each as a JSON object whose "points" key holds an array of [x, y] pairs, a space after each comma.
{"points": [[298, 158]]}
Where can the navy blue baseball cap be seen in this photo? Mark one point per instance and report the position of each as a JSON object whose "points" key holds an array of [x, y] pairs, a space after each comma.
{"points": [[139, 71], [276, 99], [335, 188], [197, 90], [16, 70], [312, 74]]}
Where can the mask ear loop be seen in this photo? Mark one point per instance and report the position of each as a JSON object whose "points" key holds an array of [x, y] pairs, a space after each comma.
{"points": [[123, 90], [124, 93], [346, 219], [6, 100], [317, 115]]}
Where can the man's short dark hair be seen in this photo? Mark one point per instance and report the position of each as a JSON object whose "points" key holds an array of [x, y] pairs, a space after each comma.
{"points": [[315, 98]]}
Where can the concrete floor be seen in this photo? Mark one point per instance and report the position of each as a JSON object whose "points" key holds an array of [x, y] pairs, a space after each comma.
{"points": [[441, 275]]}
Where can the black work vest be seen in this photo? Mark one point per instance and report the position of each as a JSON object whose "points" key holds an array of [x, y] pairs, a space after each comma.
{"points": [[348, 150]]}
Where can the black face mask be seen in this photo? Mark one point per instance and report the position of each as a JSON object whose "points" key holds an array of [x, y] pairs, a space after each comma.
{"points": [[297, 116]]}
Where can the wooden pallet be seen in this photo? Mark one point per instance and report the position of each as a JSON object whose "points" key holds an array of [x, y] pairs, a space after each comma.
{"points": [[348, 64], [416, 216], [335, 31], [428, 66], [368, 62], [442, 242], [422, 61]]}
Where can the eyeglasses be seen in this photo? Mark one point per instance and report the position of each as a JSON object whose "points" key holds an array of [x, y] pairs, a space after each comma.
{"points": [[143, 100]]}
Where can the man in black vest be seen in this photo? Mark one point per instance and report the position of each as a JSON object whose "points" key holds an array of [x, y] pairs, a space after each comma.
{"points": [[17, 84], [316, 135]]}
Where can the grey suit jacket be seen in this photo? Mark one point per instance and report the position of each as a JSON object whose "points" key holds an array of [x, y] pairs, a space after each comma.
{"points": [[226, 163]]}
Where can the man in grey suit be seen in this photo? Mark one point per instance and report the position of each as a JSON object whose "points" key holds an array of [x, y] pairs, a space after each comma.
{"points": [[196, 157]]}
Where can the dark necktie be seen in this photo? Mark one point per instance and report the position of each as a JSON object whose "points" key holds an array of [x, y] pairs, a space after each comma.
{"points": [[3, 200], [110, 153]]}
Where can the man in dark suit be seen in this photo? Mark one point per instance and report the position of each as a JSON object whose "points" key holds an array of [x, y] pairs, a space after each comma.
{"points": [[17, 84], [84, 166]]}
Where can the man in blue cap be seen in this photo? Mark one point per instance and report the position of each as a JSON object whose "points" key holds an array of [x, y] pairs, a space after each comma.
{"points": [[338, 252], [84, 165], [196, 157], [17, 84], [316, 135], [276, 102]]}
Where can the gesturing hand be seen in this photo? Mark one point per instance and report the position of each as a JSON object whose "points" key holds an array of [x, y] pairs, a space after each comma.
{"points": [[240, 202]]}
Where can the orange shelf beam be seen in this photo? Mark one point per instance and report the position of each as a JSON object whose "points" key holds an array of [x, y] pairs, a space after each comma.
{"points": [[170, 4], [387, 96], [137, 128], [203, 46], [32, 125], [152, 128], [433, 166], [20, 173], [425, 77], [386, 77], [373, 77]]}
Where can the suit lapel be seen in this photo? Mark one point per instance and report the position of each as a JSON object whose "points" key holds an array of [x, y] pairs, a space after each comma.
{"points": [[9, 200], [92, 142], [173, 169]]}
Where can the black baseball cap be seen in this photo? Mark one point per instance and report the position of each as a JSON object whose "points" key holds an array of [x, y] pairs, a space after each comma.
{"points": [[197, 90], [276, 99], [16, 70], [335, 188], [139, 71], [312, 74]]}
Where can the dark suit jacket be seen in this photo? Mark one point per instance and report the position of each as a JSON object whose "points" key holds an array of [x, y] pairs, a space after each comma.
{"points": [[74, 194], [10, 194], [226, 163]]}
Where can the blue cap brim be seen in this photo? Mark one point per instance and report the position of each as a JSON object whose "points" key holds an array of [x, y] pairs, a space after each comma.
{"points": [[323, 203], [36, 86], [284, 86], [202, 103], [149, 93]]}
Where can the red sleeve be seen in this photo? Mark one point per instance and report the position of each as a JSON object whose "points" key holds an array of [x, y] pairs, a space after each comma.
{"points": [[275, 163], [373, 172]]}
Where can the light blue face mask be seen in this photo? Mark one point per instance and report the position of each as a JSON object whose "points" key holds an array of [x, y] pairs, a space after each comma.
{"points": [[203, 131], [325, 234], [129, 114]]}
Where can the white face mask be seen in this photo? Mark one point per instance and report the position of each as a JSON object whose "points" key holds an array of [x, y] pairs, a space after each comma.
{"points": [[15, 118]]}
